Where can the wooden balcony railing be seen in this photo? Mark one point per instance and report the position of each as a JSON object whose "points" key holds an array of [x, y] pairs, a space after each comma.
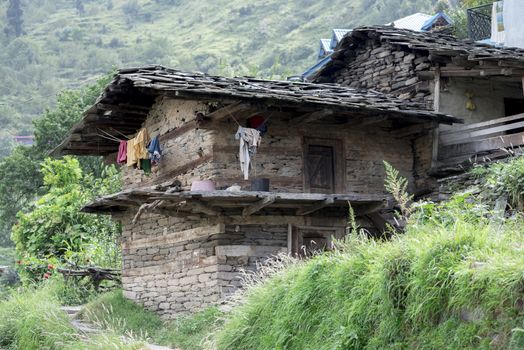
{"points": [[488, 140]]}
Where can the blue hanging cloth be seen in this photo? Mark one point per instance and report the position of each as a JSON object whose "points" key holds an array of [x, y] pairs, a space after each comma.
{"points": [[155, 152]]}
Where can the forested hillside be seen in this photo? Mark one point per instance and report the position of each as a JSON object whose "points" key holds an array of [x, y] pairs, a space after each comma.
{"points": [[49, 45]]}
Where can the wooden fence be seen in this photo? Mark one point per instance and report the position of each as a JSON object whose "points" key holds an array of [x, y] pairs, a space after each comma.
{"points": [[484, 140]]}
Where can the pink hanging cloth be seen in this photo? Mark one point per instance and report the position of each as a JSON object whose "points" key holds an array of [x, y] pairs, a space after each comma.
{"points": [[121, 158]]}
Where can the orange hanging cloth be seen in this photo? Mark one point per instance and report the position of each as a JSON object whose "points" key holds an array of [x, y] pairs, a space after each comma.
{"points": [[137, 148]]}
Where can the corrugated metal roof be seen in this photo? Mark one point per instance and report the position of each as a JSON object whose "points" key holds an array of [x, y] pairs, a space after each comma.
{"points": [[325, 49], [324, 44], [412, 22], [338, 34], [433, 19]]}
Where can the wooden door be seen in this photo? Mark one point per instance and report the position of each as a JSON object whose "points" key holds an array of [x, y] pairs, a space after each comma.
{"points": [[320, 169], [323, 165]]}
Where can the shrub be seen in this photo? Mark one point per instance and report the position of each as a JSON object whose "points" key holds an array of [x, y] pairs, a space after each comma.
{"points": [[442, 284]]}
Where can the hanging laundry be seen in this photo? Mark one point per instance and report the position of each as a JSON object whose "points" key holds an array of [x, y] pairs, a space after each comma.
{"points": [[121, 158], [145, 164], [141, 141], [249, 142], [131, 155], [155, 152], [136, 148], [258, 122]]}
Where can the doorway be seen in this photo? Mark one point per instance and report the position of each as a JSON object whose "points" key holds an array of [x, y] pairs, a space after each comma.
{"points": [[323, 166], [304, 242]]}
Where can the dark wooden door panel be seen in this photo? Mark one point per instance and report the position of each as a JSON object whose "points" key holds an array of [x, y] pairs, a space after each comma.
{"points": [[320, 169]]}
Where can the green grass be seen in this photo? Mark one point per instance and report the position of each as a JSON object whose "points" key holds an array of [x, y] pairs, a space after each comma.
{"points": [[32, 320], [452, 286], [113, 311], [7, 256]]}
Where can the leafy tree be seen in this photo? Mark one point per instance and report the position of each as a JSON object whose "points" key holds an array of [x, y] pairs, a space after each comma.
{"points": [[79, 5], [14, 14], [20, 182], [55, 230], [458, 14], [20, 177]]}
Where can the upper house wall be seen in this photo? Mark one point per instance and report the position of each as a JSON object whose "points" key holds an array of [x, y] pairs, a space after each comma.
{"points": [[187, 151], [280, 156], [385, 68], [211, 152]]}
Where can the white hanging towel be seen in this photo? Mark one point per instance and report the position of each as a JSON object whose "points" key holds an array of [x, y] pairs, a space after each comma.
{"points": [[497, 22], [249, 142], [514, 29]]}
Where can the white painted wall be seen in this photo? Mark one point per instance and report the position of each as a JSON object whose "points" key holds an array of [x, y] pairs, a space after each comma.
{"points": [[513, 23]]}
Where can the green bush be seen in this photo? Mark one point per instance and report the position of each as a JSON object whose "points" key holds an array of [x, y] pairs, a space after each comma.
{"points": [[56, 231], [438, 286]]}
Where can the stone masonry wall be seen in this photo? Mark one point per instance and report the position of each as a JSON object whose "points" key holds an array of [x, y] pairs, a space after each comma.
{"points": [[385, 68], [186, 157], [242, 247], [169, 264], [173, 265]]}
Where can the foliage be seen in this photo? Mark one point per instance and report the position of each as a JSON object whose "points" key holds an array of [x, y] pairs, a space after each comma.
{"points": [[32, 320], [51, 129], [458, 14], [397, 186], [65, 43], [14, 14], [115, 312], [20, 177], [20, 183], [503, 179], [437, 286], [56, 231]]}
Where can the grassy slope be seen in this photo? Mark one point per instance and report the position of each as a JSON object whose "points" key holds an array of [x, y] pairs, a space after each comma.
{"points": [[32, 320], [453, 287], [113, 311], [270, 37]]}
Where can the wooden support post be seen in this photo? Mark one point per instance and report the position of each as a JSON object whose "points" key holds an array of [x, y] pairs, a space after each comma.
{"points": [[257, 206], [436, 108], [203, 208], [316, 206], [369, 208], [522, 84]]}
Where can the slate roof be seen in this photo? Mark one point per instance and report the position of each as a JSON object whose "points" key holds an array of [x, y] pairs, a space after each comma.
{"points": [[440, 47], [125, 102]]}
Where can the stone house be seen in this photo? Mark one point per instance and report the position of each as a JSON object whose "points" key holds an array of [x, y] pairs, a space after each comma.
{"points": [[183, 249], [479, 83]]}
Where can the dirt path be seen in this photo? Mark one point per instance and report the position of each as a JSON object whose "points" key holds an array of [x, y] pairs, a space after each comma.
{"points": [[86, 329]]}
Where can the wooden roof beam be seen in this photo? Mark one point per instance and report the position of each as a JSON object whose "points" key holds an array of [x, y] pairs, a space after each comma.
{"points": [[236, 110], [129, 109], [203, 208], [315, 207], [257, 206], [311, 117]]}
